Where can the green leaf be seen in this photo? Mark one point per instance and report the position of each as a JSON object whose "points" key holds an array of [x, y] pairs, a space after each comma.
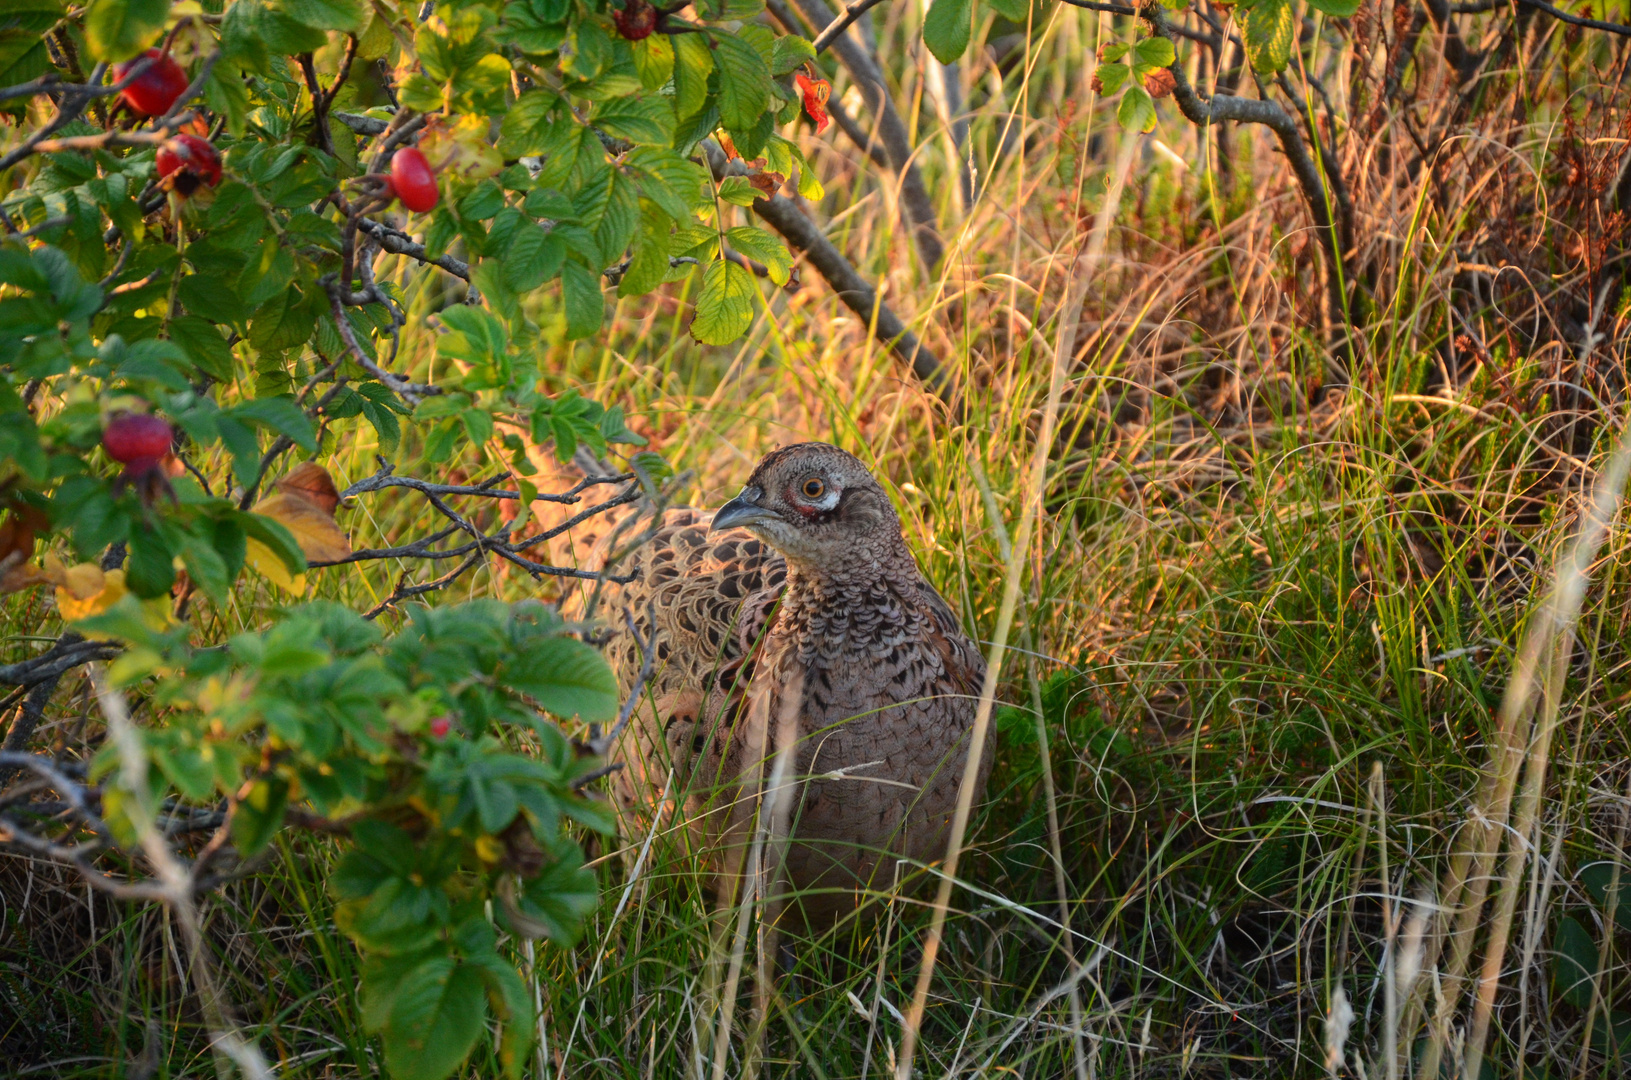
{"points": [[435, 1020], [281, 415], [119, 29], [204, 345], [342, 15], [260, 815], [474, 336], [1137, 110], [693, 63], [566, 677], [584, 303], [1152, 53], [556, 901], [1574, 964], [757, 244], [1337, 9], [725, 305], [534, 257], [210, 297], [1015, 11], [654, 60], [1112, 77], [1270, 27], [149, 571], [791, 53], [641, 120], [744, 81], [528, 123], [206, 567], [648, 266], [739, 191], [947, 28]]}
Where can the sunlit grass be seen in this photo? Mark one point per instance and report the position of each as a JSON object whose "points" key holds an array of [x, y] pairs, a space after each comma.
{"points": [[1246, 600]]}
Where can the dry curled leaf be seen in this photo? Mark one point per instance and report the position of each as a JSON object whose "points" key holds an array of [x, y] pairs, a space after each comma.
{"points": [[767, 182], [84, 589], [1160, 83], [304, 504], [312, 480], [815, 93]]}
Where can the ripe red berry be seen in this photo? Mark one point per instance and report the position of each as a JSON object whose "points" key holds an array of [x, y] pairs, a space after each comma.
{"points": [[636, 20], [188, 161], [415, 184], [137, 440], [440, 726], [156, 88]]}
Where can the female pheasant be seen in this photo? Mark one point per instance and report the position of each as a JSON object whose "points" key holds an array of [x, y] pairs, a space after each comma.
{"points": [[803, 584]]}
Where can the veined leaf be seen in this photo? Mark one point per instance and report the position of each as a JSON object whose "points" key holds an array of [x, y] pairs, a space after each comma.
{"points": [[725, 305]]}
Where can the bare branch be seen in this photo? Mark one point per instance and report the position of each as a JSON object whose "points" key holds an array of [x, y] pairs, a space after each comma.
{"points": [[845, 18]]}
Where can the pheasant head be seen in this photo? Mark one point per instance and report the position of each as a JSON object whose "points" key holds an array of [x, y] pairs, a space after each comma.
{"points": [[818, 506]]}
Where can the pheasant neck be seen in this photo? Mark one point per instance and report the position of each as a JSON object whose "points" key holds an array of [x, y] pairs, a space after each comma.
{"points": [[851, 608]]}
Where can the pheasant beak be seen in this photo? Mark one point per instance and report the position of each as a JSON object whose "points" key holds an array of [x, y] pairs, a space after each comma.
{"points": [[743, 510]]}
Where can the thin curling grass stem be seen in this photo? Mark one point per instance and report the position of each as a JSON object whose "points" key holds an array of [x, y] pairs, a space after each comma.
{"points": [[179, 884], [1081, 276], [1550, 635]]}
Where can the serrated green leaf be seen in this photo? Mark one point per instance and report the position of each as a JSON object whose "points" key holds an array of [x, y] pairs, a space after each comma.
{"points": [[947, 29], [342, 15], [582, 299], [654, 60], [566, 677], [1152, 53], [535, 256], [642, 120], [744, 81], [738, 191], [117, 30], [757, 244], [1112, 77], [791, 53], [435, 1020], [1137, 110], [725, 304], [1268, 31], [204, 346], [693, 63]]}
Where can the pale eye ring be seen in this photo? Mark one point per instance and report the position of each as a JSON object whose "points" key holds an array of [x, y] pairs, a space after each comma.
{"points": [[814, 488]]}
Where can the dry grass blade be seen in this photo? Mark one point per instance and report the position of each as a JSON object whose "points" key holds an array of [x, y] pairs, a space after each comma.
{"points": [[1077, 283]]}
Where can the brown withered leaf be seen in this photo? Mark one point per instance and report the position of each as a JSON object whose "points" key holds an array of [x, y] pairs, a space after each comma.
{"points": [[767, 182], [1160, 83], [312, 480], [304, 504]]}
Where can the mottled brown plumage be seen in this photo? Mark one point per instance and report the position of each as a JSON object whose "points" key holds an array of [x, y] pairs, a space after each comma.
{"points": [[805, 580]]}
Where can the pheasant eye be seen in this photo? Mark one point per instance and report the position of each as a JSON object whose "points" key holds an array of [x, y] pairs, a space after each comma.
{"points": [[814, 488]]}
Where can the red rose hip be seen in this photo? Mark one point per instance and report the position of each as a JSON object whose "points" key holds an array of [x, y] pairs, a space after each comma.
{"points": [[636, 20], [156, 88], [187, 161], [440, 726], [412, 180], [137, 439]]}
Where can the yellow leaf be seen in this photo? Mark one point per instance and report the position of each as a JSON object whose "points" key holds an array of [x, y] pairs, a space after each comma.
{"points": [[262, 558], [313, 528], [86, 591], [488, 849]]}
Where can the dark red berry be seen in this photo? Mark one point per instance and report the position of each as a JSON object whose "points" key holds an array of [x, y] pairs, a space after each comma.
{"points": [[137, 440], [636, 20], [156, 88], [188, 161], [440, 726], [415, 184]]}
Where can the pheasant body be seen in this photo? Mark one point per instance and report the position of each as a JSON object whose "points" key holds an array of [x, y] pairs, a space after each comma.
{"points": [[823, 599]]}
